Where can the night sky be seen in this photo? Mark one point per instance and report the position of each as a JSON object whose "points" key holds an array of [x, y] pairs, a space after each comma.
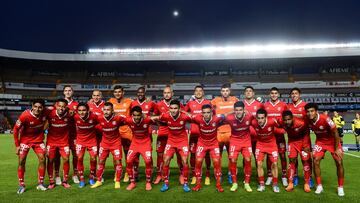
{"points": [[74, 26]]}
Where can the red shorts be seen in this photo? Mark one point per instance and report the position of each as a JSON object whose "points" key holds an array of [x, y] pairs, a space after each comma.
{"points": [[266, 148], [192, 143], [202, 149], [80, 150], [320, 149], [281, 143], [307, 142], [52, 149], [237, 146], [144, 149], [104, 153], [161, 143], [297, 147], [39, 148], [182, 148]]}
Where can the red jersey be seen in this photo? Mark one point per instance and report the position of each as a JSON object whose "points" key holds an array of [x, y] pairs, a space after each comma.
{"points": [[265, 133], [253, 106], [85, 129], [110, 131], [274, 110], [30, 127], [298, 110], [146, 106], [59, 128], [195, 108], [140, 131], [72, 105], [177, 128], [297, 131], [322, 128], [240, 129], [96, 108], [208, 130]]}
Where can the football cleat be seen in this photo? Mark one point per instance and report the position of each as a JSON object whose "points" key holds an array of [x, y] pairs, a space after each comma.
{"points": [[296, 180], [131, 186], [307, 188], [276, 189], [284, 182], [41, 187], [92, 181], [247, 187], [268, 181], [312, 184], [234, 187], [66, 185], [186, 187], [164, 188], [229, 178], [319, 189], [197, 187], [261, 188], [193, 181], [207, 180], [219, 188], [96, 184], [181, 180], [148, 186], [51, 186], [21, 190], [157, 180], [341, 192], [117, 185], [76, 179], [290, 187], [82, 184], [58, 180], [126, 178]]}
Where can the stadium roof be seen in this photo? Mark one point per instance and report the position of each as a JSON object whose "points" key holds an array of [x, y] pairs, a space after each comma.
{"points": [[196, 53]]}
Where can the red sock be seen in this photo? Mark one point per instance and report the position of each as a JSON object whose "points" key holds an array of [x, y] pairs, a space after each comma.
{"points": [[41, 174], [166, 171], [208, 164], [261, 180], [148, 171], [186, 173], [118, 172], [275, 180], [291, 171], [283, 167], [50, 172], [66, 169], [268, 166], [217, 170], [57, 164], [318, 180], [307, 172], [136, 166], [296, 168], [100, 171], [80, 168], [129, 170], [247, 171], [192, 164], [179, 162], [341, 182], [21, 172], [159, 164], [198, 170], [232, 167], [93, 169]]}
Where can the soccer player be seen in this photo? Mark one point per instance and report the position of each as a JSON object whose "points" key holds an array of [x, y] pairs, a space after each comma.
{"points": [[95, 105], [355, 126], [298, 132], [122, 107], [222, 105], [207, 143], [72, 106], [339, 122], [30, 128], [240, 142], [86, 140], [110, 143], [140, 144], [162, 107], [327, 139], [177, 142], [57, 140], [266, 145], [274, 108], [297, 107], [194, 107]]}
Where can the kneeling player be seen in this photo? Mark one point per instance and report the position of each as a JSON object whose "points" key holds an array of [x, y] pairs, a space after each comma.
{"points": [[298, 138], [207, 142], [327, 139], [110, 142], [266, 145]]}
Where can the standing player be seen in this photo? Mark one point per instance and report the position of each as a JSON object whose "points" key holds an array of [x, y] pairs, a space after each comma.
{"points": [[140, 144], [223, 105], [240, 142], [207, 143], [355, 126], [298, 133], [72, 106], [57, 140], [177, 142], [194, 107], [86, 140], [30, 128], [266, 145], [110, 143], [274, 109], [339, 122], [122, 107], [162, 107], [327, 139], [95, 105]]}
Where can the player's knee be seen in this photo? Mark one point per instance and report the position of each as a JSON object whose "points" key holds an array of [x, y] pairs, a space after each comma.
{"points": [[41, 159], [317, 161], [22, 162]]}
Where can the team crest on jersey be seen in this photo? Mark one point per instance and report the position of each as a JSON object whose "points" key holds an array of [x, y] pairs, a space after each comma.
{"points": [[91, 121], [321, 127], [145, 126], [124, 105], [214, 124], [78, 121], [247, 123], [31, 122], [53, 119], [296, 129], [181, 122], [146, 106], [300, 109], [102, 123], [255, 107], [279, 108], [269, 129], [65, 119], [114, 122]]}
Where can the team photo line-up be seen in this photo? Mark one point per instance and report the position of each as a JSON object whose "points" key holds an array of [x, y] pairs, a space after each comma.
{"points": [[122, 125]]}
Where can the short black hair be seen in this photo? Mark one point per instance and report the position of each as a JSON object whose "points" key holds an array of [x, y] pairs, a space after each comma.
{"points": [[274, 89], [62, 100], [287, 113], [176, 102], [199, 86], [295, 89], [118, 87], [136, 109], [109, 104], [239, 104], [226, 85], [40, 101], [261, 111], [141, 88], [83, 104], [311, 105], [65, 86], [206, 106], [249, 87]]}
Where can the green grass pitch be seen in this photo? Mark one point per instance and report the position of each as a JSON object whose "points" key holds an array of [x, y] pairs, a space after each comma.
{"points": [[107, 193]]}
